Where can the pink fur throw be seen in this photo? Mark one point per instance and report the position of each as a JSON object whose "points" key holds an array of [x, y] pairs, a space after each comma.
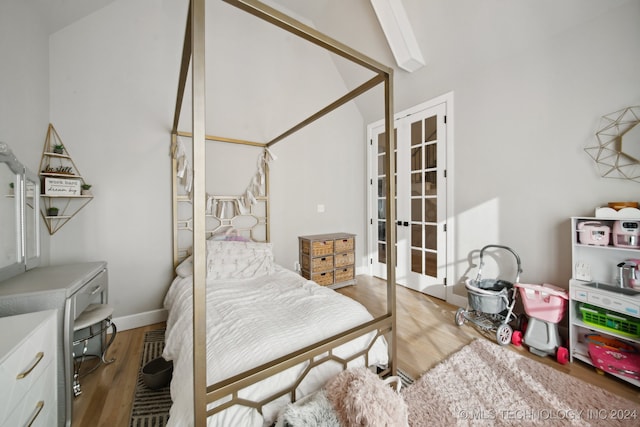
{"points": [[361, 398]]}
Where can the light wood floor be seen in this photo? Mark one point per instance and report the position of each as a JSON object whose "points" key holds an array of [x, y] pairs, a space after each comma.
{"points": [[426, 335]]}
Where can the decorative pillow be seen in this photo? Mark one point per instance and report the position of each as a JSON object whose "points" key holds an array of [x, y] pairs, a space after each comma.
{"points": [[238, 260], [361, 398]]}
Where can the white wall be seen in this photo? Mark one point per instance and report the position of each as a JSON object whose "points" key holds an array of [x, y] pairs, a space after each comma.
{"points": [[113, 85], [24, 84], [114, 78], [531, 80]]}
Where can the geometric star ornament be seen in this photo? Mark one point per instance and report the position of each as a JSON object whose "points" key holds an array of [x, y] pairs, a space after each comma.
{"points": [[617, 154]]}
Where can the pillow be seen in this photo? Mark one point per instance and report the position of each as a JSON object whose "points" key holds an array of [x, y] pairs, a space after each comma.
{"points": [[185, 268], [238, 260], [361, 398]]}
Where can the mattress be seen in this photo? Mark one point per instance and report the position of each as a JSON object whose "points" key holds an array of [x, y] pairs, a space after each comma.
{"points": [[251, 321]]}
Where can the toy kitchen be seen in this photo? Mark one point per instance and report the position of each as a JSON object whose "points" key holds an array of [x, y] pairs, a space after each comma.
{"points": [[604, 291]]}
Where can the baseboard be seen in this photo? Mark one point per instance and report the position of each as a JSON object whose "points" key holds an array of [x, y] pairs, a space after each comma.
{"points": [[141, 319]]}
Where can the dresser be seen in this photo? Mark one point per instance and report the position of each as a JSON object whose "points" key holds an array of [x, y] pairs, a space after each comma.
{"points": [[328, 259], [68, 289], [28, 389]]}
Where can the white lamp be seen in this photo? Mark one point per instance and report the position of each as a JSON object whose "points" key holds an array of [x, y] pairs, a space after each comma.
{"points": [[397, 29]]}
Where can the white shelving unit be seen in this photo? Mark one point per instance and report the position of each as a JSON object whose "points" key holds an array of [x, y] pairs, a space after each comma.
{"points": [[594, 283]]}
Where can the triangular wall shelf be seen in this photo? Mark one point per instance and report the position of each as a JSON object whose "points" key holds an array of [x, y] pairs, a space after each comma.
{"points": [[61, 183]]}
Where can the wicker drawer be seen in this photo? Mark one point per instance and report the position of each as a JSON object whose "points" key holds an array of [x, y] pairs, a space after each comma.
{"points": [[344, 259], [317, 264], [323, 279], [317, 248], [344, 245], [344, 274]]}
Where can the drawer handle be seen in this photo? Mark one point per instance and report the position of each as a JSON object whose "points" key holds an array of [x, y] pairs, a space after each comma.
{"points": [[38, 409], [39, 357]]}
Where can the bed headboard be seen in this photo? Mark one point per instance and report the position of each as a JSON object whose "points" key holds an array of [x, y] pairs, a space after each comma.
{"points": [[228, 217]]}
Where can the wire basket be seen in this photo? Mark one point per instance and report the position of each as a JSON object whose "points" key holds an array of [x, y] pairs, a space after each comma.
{"points": [[489, 296]]}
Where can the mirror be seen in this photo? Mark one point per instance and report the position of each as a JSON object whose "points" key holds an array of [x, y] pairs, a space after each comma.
{"points": [[617, 154], [19, 207], [31, 219]]}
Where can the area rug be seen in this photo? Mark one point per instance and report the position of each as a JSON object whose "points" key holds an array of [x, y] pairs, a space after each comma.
{"points": [[486, 384], [150, 407]]}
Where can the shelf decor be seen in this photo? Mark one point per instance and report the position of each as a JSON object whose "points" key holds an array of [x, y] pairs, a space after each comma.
{"points": [[61, 183]]}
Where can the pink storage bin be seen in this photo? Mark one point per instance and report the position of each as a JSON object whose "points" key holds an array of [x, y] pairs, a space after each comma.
{"points": [[614, 356], [545, 302]]}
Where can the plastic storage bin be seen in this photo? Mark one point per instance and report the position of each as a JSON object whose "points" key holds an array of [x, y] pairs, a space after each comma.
{"points": [[614, 356], [609, 320]]}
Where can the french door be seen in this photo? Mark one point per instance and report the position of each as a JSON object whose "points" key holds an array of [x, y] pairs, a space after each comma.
{"points": [[421, 198]]}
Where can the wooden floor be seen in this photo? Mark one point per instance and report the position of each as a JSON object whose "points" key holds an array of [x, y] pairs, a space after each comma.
{"points": [[426, 332]]}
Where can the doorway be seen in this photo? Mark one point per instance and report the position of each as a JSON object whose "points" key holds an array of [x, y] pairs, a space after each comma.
{"points": [[422, 196]]}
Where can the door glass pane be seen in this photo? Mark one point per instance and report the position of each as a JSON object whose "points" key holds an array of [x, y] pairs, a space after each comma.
{"points": [[430, 183], [431, 156], [416, 261], [416, 235], [382, 164], [431, 264], [382, 139], [430, 210], [416, 184], [416, 210], [416, 133], [430, 237], [382, 253], [382, 234], [416, 158], [430, 129], [382, 206], [382, 186]]}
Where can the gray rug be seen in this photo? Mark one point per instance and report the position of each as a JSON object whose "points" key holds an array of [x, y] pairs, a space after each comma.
{"points": [[150, 407], [486, 384]]}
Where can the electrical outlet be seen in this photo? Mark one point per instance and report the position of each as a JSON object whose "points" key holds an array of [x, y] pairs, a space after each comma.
{"points": [[582, 271], [296, 266]]}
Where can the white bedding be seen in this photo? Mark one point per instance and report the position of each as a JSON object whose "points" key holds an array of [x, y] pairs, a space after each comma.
{"points": [[254, 321]]}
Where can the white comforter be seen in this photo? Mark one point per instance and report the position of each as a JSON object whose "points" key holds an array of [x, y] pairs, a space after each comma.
{"points": [[254, 321]]}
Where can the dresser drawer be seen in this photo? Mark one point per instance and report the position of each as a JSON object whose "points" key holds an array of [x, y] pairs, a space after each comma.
{"points": [[344, 274], [88, 293], [316, 265], [344, 245], [323, 279], [23, 368], [344, 259], [317, 247], [39, 406]]}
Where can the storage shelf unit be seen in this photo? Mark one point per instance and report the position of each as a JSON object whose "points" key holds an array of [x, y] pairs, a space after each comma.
{"points": [[597, 264], [59, 166], [328, 259]]}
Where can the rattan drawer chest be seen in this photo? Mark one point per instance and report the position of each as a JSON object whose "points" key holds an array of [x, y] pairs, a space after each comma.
{"points": [[328, 259]]}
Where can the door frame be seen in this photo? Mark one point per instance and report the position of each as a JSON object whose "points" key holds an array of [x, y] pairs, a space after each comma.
{"points": [[447, 100]]}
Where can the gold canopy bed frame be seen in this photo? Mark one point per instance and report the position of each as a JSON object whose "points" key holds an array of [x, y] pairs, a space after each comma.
{"points": [[193, 55]]}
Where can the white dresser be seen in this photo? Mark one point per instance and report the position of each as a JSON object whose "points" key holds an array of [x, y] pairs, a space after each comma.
{"points": [[28, 385], [68, 288]]}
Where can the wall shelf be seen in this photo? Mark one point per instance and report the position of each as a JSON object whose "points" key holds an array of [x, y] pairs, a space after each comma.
{"points": [[59, 166]]}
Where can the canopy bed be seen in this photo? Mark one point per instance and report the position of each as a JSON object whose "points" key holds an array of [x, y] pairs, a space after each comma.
{"points": [[206, 310]]}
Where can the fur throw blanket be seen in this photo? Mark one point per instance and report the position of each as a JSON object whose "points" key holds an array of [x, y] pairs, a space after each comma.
{"points": [[354, 398]]}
